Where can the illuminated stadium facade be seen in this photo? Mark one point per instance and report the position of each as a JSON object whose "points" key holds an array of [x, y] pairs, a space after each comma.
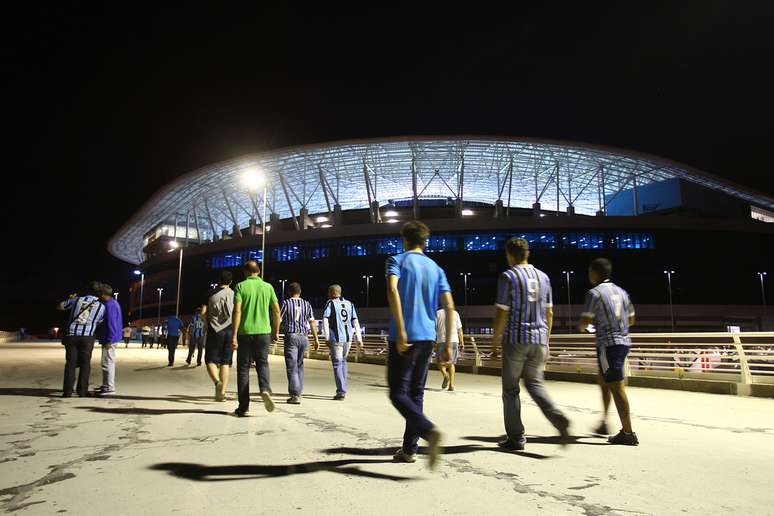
{"points": [[334, 210]]}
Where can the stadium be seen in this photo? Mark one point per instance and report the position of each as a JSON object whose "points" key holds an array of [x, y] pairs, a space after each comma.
{"points": [[679, 237]]}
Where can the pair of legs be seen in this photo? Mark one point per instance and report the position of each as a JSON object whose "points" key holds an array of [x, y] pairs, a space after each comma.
{"points": [[295, 347], [195, 344], [252, 348], [339, 352], [171, 342], [611, 361], [526, 362], [406, 376], [448, 369], [126, 341], [109, 367], [217, 356], [78, 352]]}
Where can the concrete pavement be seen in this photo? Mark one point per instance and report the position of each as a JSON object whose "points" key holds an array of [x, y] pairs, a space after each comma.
{"points": [[162, 446]]}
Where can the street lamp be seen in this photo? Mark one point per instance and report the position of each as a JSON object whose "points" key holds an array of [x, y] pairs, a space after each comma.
{"points": [[368, 289], [138, 272], [172, 246], [465, 282], [762, 276], [668, 274], [253, 178], [282, 292], [158, 316], [569, 300]]}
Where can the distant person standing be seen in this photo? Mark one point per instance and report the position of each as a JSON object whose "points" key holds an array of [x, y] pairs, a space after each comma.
{"points": [[217, 354], [86, 312], [127, 334], [196, 337], [109, 333], [340, 327], [610, 309], [522, 328], [145, 333], [448, 368], [416, 286], [254, 300], [173, 327], [297, 318]]}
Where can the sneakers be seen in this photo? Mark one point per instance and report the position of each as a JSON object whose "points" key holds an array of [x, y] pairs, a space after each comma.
{"points": [[403, 456], [433, 448], [293, 400], [240, 413], [104, 393], [340, 396], [624, 439], [511, 445], [445, 383], [564, 432], [267, 402], [451, 388], [601, 429]]}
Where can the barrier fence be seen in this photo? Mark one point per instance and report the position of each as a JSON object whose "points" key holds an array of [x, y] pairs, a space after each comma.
{"points": [[743, 358]]}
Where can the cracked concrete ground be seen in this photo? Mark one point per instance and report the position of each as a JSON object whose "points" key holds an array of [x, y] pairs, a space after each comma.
{"points": [[162, 446]]}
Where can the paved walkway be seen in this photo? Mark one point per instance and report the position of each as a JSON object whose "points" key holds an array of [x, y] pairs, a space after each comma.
{"points": [[161, 446]]}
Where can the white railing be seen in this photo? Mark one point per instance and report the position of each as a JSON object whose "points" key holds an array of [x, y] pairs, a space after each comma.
{"points": [[745, 358]]}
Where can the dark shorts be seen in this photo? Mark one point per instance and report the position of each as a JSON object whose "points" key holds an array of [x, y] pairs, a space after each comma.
{"points": [[611, 361], [217, 347]]}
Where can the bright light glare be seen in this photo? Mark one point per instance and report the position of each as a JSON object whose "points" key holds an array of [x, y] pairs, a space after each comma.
{"points": [[137, 272], [467, 212], [321, 219], [391, 213], [326, 226], [253, 178], [173, 244], [392, 221]]}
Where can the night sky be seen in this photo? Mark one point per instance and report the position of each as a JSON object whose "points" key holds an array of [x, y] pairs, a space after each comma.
{"points": [[104, 105]]}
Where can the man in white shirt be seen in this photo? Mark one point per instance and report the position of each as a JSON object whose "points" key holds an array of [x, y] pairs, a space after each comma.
{"points": [[458, 344]]}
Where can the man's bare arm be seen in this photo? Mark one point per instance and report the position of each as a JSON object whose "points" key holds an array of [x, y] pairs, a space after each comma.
{"points": [[313, 326], [236, 320], [447, 302], [550, 319], [584, 322], [632, 320], [275, 320], [501, 317], [396, 310]]}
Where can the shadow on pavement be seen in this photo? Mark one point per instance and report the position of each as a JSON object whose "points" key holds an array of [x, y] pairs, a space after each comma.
{"points": [[31, 391], [152, 412], [535, 439], [200, 472], [154, 368], [447, 450], [317, 397]]}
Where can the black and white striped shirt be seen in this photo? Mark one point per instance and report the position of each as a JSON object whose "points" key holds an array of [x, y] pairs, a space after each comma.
{"points": [[296, 314]]}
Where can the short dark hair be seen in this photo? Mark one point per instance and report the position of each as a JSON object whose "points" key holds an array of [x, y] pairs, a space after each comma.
{"points": [[517, 247], [415, 233], [294, 288], [105, 290], [225, 278], [603, 267], [92, 288], [252, 267]]}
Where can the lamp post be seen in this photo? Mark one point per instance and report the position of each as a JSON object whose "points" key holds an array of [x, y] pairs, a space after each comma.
{"points": [[668, 274], [465, 295], [569, 300], [762, 276], [368, 289], [253, 178], [282, 292], [138, 272], [174, 245], [158, 316]]}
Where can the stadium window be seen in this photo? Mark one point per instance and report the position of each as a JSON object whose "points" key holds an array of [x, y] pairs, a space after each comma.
{"points": [[441, 244]]}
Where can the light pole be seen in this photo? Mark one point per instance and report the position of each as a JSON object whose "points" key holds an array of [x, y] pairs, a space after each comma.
{"points": [[253, 178], [668, 274], [762, 276], [368, 289], [174, 245], [282, 292], [465, 283], [158, 316], [138, 272], [569, 300]]}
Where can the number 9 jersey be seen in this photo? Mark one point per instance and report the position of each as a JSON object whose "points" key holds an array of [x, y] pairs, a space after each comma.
{"points": [[340, 323], [609, 307]]}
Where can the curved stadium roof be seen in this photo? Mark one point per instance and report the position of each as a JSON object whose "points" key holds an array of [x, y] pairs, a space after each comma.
{"points": [[472, 168]]}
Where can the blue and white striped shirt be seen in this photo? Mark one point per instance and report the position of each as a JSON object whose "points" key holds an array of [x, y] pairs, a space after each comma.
{"points": [[340, 314], [197, 326], [296, 314], [525, 292], [86, 312], [609, 307]]}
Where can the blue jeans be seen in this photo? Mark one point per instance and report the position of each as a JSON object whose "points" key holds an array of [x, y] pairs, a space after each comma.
{"points": [[295, 347], [406, 376], [256, 348], [525, 362], [339, 352]]}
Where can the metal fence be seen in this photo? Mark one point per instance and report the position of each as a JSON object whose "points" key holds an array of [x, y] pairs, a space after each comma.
{"points": [[745, 358]]}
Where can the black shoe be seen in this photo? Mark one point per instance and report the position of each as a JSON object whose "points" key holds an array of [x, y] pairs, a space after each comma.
{"points": [[601, 429], [511, 445], [293, 400], [624, 439], [67, 395], [445, 383], [240, 413], [564, 431], [188, 362], [340, 397]]}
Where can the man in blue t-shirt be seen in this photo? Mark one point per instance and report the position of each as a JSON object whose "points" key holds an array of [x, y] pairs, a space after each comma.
{"points": [[416, 286], [174, 325]]}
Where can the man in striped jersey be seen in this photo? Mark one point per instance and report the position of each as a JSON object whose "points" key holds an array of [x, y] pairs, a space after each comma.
{"points": [[610, 310], [297, 318], [196, 337], [86, 312], [522, 327], [340, 325]]}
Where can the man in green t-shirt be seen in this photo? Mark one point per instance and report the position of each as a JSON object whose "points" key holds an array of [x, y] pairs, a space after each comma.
{"points": [[254, 332]]}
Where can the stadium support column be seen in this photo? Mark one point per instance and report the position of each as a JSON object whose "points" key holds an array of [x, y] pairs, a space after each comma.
{"points": [[510, 185], [287, 199], [461, 186], [557, 189], [635, 200], [601, 192], [536, 205], [415, 198], [499, 209]]}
